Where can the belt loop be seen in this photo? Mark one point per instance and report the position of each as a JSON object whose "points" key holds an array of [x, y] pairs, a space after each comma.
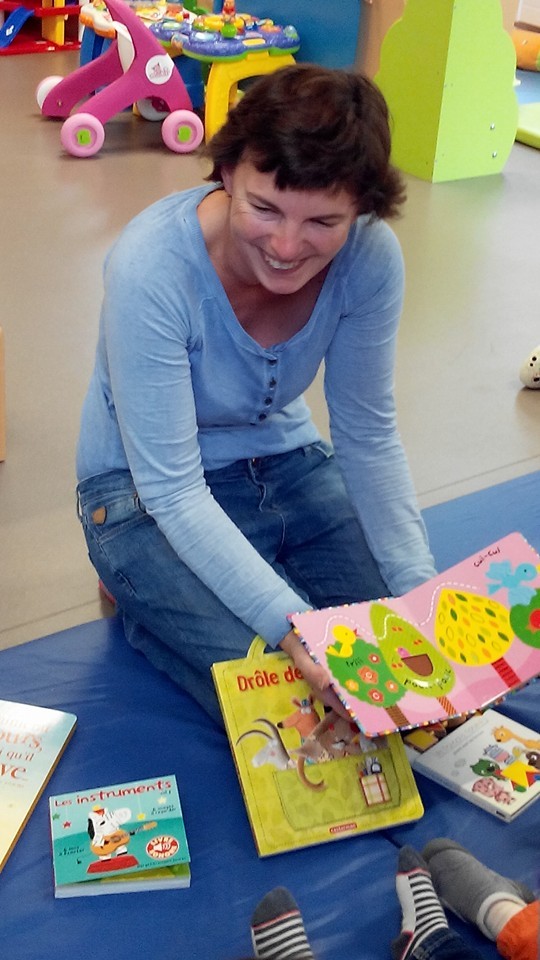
{"points": [[78, 507]]}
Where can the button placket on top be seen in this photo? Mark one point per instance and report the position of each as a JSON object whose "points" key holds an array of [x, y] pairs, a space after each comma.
{"points": [[270, 392]]}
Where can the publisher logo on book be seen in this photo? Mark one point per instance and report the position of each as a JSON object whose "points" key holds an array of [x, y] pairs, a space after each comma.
{"points": [[162, 847], [343, 827]]}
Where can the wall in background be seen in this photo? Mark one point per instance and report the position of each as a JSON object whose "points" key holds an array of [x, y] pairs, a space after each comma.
{"points": [[529, 13]]}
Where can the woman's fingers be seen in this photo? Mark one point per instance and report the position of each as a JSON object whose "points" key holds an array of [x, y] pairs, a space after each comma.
{"points": [[313, 673]]}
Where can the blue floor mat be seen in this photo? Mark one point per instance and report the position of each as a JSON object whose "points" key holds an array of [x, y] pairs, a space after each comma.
{"points": [[133, 722], [528, 89]]}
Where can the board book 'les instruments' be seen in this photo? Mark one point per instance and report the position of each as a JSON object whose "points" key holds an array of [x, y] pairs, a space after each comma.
{"points": [[115, 839], [453, 645]]}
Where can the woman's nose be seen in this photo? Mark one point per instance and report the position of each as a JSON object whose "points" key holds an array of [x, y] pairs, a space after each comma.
{"points": [[286, 242]]}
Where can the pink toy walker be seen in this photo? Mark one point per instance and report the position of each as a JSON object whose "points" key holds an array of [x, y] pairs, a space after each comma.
{"points": [[135, 69]]}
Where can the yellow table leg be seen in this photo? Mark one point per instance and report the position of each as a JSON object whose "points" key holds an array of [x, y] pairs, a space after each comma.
{"points": [[223, 77]]}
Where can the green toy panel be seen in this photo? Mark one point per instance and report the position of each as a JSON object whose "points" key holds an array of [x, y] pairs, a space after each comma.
{"points": [[447, 72], [411, 77]]}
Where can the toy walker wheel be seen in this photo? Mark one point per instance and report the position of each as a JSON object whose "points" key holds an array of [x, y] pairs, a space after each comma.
{"points": [[151, 108], [82, 135], [182, 131], [44, 88]]}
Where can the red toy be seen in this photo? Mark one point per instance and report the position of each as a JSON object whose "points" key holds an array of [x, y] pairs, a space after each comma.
{"points": [[134, 68]]}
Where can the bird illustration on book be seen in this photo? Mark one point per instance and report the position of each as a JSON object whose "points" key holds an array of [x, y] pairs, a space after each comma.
{"points": [[504, 576], [524, 600]]}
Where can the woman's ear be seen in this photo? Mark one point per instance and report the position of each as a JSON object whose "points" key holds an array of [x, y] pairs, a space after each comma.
{"points": [[226, 178]]}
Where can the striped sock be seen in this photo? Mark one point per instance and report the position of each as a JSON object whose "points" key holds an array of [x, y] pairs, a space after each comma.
{"points": [[420, 905], [277, 929]]}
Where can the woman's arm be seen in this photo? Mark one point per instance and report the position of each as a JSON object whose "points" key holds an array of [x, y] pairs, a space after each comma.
{"points": [[359, 386]]}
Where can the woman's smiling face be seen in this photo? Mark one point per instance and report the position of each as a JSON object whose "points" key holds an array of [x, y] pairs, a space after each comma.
{"points": [[282, 239]]}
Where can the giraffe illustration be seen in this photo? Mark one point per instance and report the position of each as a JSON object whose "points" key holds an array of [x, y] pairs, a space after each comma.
{"points": [[503, 735]]}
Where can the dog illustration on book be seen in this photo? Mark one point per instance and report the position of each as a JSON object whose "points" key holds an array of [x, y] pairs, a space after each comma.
{"points": [[109, 841]]}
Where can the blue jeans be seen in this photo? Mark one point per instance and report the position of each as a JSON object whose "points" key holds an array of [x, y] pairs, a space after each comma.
{"points": [[445, 945], [292, 507]]}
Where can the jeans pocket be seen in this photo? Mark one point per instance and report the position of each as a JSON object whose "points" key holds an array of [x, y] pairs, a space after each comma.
{"points": [[109, 516], [321, 449]]}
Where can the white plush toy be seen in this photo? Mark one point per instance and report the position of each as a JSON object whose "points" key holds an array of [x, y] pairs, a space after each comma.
{"points": [[529, 373]]}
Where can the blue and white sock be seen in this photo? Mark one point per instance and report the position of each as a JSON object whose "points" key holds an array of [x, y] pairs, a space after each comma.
{"points": [[277, 928], [422, 912]]}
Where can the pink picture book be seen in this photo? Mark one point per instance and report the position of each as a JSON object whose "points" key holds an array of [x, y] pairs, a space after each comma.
{"points": [[453, 645]]}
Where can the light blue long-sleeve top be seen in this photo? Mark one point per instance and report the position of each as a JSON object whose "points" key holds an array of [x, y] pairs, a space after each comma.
{"points": [[179, 387]]}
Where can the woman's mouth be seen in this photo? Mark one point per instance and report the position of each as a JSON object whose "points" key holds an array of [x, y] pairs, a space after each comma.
{"points": [[281, 264]]}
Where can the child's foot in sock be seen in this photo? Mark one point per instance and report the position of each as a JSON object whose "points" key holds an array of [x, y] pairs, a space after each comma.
{"points": [[471, 890], [277, 929], [421, 907]]}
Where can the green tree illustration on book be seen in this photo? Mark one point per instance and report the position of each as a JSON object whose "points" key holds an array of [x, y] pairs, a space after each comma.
{"points": [[402, 660], [525, 620]]}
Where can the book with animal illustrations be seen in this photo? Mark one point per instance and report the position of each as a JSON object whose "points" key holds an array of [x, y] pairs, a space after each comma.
{"points": [[454, 645], [489, 759], [32, 740], [118, 839], [307, 776]]}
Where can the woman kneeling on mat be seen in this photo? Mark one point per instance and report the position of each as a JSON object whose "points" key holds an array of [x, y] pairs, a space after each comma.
{"points": [[211, 506]]}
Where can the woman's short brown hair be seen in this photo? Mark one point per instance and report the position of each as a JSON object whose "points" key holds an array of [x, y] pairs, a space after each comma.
{"points": [[314, 128]]}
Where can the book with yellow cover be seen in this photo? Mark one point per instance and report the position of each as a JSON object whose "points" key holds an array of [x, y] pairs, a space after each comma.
{"points": [[32, 740], [307, 776]]}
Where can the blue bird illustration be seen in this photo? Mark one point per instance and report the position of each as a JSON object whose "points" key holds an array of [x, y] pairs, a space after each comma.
{"points": [[504, 577]]}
